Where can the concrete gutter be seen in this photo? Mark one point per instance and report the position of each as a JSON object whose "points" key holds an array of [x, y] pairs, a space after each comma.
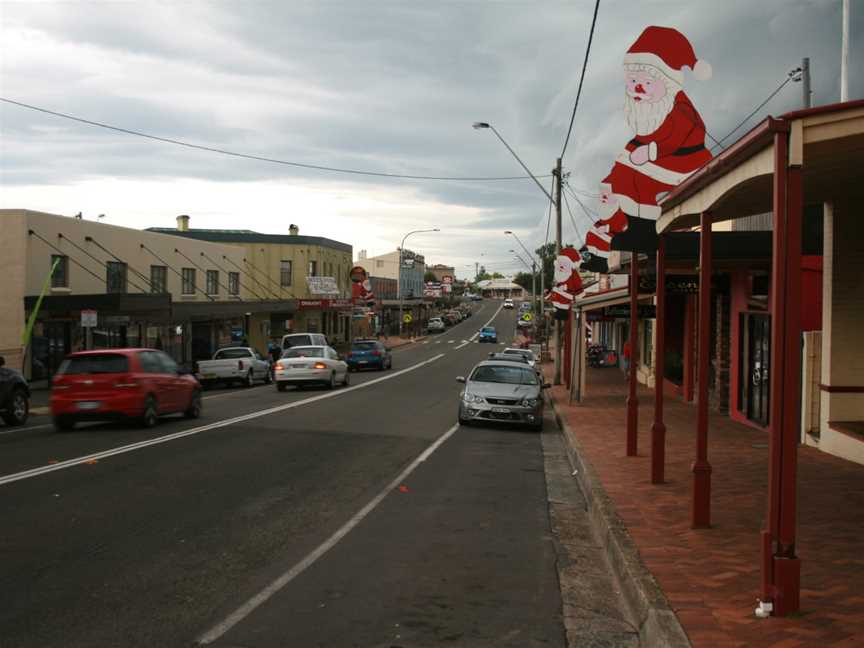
{"points": [[645, 601]]}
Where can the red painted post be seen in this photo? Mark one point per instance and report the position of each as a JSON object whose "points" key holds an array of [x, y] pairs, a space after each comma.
{"points": [[658, 429], [701, 514], [632, 399], [568, 348], [688, 358]]}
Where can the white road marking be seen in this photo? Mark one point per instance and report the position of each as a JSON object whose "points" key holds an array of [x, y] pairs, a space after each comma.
{"points": [[465, 343], [494, 315], [264, 595], [450, 341], [35, 472], [437, 341], [12, 430]]}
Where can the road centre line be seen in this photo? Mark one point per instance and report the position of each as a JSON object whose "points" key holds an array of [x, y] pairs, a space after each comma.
{"points": [[217, 631], [461, 345], [69, 463]]}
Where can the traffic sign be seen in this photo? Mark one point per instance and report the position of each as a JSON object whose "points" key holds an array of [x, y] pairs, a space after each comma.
{"points": [[527, 317], [88, 318], [407, 318]]}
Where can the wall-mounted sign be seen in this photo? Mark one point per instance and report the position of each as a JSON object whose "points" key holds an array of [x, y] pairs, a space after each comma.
{"points": [[322, 285], [644, 311], [677, 284], [447, 279], [88, 318]]}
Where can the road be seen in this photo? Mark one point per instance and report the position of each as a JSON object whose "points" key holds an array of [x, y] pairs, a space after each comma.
{"points": [[356, 517]]}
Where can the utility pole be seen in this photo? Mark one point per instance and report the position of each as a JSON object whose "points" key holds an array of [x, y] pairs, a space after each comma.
{"points": [[844, 55], [805, 80], [559, 325]]}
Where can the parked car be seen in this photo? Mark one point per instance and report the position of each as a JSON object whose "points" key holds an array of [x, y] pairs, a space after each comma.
{"points": [[502, 391], [308, 365], [436, 325], [508, 303], [525, 353], [138, 384], [234, 364], [366, 354], [304, 339], [488, 334], [508, 357], [14, 396]]}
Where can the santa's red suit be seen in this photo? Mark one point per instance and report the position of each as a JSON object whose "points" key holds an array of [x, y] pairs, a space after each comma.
{"points": [[568, 283], [675, 148]]}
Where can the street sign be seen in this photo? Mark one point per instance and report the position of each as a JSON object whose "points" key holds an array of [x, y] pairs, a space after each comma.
{"points": [[527, 317], [88, 318], [407, 318]]}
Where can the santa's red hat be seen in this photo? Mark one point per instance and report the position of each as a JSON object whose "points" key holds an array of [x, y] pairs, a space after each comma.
{"points": [[669, 51], [572, 254]]}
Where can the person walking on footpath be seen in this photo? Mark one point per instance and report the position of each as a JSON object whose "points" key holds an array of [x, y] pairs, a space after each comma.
{"points": [[625, 352]]}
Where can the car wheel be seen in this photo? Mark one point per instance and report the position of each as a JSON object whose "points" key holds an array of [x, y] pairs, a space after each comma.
{"points": [[345, 380], [64, 423], [538, 427], [332, 383], [195, 403], [19, 408], [281, 386], [150, 416], [250, 380]]}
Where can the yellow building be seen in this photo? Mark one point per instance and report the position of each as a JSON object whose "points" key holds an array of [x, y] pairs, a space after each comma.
{"points": [[308, 274]]}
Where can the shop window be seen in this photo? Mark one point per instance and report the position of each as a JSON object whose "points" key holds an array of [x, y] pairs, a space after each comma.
{"points": [[116, 277], [60, 278], [647, 342], [285, 268], [233, 283], [212, 282], [313, 269], [188, 281], [158, 279]]}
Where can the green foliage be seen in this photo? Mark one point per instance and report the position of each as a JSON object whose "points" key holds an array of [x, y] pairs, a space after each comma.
{"points": [[524, 279]]}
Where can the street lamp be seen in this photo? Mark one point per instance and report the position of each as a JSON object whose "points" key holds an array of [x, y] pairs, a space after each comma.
{"points": [[399, 271]]}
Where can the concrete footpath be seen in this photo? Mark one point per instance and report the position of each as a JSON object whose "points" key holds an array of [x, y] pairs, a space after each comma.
{"points": [[699, 587]]}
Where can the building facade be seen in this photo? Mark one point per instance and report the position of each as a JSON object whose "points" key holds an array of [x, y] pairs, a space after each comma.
{"points": [[387, 265]]}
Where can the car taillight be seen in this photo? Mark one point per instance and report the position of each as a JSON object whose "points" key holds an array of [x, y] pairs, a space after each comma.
{"points": [[279, 368], [319, 365], [376, 353]]}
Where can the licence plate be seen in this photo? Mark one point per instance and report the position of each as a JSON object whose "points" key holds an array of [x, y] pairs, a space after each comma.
{"points": [[500, 410], [88, 405], [362, 362]]}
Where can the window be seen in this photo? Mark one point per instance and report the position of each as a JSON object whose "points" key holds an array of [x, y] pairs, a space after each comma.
{"points": [[116, 278], [60, 278], [379, 263], [647, 342], [102, 363], [158, 279], [313, 269], [212, 282], [166, 362], [149, 362], [233, 283], [232, 354], [285, 273], [188, 281]]}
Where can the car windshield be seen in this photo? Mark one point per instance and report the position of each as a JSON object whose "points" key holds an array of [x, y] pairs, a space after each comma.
{"points": [[231, 354], [103, 363], [296, 340], [504, 374], [487, 329], [363, 346], [518, 352], [304, 352]]}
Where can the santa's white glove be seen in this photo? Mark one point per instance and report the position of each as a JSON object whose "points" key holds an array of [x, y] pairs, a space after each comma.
{"points": [[640, 155]]}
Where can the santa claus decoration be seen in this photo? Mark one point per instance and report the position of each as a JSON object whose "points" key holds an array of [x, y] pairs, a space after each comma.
{"points": [[668, 142], [361, 287], [567, 282]]}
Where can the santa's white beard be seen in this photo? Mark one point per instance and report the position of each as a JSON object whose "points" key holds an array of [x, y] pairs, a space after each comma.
{"points": [[644, 117]]}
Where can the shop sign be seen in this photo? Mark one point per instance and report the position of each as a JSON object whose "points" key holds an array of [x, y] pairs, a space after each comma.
{"points": [[88, 318], [116, 320], [447, 279], [322, 285], [598, 316], [676, 284], [310, 304], [341, 304], [645, 311]]}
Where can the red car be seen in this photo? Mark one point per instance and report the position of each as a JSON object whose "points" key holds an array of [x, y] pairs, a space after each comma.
{"points": [[137, 384]]}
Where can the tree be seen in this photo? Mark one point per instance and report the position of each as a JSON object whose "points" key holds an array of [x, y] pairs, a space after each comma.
{"points": [[524, 279], [429, 277], [483, 275], [497, 275]]}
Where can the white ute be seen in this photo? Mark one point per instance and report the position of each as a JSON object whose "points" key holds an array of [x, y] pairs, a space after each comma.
{"points": [[234, 364]]}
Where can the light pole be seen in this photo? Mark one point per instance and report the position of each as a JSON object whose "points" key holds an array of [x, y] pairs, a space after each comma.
{"points": [[555, 201], [399, 271], [532, 268]]}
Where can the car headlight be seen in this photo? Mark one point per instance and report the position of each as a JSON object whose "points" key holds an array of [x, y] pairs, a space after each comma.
{"points": [[529, 402], [473, 398]]}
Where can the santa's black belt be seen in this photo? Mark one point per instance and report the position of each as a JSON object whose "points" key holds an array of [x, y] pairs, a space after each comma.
{"points": [[684, 150]]}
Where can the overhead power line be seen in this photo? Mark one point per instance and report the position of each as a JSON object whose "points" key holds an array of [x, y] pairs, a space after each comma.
{"points": [[581, 79], [755, 110], [259, 158]]}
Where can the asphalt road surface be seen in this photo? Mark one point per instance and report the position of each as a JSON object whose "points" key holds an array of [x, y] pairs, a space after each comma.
{"points": [[361, 516]]}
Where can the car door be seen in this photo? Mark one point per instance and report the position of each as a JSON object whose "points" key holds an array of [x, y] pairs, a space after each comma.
{"points": [[155, 381], [178, 388], [340, 366], [385, 353]]}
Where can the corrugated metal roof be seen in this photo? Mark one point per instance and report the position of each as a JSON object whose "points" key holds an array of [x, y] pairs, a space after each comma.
{"points": [[248, 236]]}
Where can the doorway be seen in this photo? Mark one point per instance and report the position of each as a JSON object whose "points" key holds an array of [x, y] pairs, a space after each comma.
{"points": [[754, 367]]}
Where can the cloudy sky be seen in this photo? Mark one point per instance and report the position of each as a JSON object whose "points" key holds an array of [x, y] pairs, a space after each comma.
{"points": [[388, 87]]}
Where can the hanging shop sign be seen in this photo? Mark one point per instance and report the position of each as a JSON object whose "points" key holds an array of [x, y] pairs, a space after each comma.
{"points": [[322, 285], [644, 311]]}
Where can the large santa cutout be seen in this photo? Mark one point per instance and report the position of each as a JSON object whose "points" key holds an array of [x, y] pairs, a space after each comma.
{"points": [[668, 142], [567, 282]]}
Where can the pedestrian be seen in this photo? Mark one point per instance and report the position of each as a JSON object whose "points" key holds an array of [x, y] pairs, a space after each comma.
{"points": [[625, 352]]}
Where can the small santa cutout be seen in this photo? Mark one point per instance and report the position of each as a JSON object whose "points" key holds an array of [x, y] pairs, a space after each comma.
{"points": [[668, 142], [567, 282]]}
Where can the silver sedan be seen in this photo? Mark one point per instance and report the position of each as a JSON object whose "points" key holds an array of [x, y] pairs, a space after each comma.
{"points": [[502, 391]]}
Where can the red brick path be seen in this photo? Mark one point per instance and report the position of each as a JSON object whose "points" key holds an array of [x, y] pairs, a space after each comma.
{"points": [[711, 576]]}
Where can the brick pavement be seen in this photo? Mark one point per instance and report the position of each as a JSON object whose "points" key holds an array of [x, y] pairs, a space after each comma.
{"points": [[711, 576]]}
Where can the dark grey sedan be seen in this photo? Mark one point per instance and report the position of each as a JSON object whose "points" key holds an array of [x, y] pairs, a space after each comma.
{"points": [[502, 391]]}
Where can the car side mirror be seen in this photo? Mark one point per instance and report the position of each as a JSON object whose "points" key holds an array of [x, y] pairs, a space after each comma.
{"points": [[460, 379]]}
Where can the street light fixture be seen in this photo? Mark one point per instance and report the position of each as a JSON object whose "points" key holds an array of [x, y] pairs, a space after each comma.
{"points": [[399, 271]]}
